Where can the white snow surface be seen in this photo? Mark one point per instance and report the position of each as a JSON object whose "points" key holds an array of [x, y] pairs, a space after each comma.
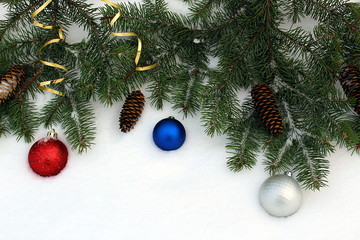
{"points": [[125, 188]]}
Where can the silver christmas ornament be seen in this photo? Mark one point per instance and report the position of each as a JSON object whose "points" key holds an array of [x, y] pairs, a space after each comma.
{"points": [[280, 195]]}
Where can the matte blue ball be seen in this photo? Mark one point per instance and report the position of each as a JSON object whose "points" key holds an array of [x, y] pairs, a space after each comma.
{"points": [[169, 134]]}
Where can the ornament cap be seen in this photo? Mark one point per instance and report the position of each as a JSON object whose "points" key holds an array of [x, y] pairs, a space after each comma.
{"points": [[171, 117], [289, 174], [52, 134]]}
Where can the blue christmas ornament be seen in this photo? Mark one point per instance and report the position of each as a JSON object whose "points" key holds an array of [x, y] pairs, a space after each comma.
{"points": [[169, 134]]}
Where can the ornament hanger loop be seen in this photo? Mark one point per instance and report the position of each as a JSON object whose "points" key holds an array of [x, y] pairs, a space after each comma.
{"points": [[52, 133]]}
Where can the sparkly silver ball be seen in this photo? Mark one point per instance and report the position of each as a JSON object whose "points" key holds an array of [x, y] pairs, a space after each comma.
{"points": [[280, 195]]}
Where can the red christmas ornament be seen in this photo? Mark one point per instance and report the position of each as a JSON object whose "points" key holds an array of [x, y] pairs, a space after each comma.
{"points": [[48, 156]]}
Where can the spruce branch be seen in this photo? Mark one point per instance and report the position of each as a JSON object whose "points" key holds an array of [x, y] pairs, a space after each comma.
{"points": [[220, 104], [307, 49], [78, 123], [159, 89], [22, 43], [10, 1], [247, 46], [312, 168], [4, 123], [202, 9], [84, 15], [22, 116], [243, 144], [16, 18], [332, 12], [250, 43], [187, 92], [30, 82], [51, 114], [279, 154]]}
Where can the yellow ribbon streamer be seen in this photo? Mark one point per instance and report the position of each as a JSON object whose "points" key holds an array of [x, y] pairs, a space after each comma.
{"points": [[50, 64], [128, 34]]}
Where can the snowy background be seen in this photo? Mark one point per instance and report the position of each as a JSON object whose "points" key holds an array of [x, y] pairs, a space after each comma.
{"points": [[125, 188]]}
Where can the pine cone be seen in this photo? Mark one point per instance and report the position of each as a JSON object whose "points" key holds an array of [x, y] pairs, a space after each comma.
{"points": [[267, 108], [131, 110], [10, 82], [350, 82]]}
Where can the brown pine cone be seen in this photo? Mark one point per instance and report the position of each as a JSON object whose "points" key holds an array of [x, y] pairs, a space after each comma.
{"points": [[10, 82], [350, 82], [131, 110], [267, 108]]}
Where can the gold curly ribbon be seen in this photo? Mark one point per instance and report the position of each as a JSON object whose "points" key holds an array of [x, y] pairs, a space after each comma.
{"points": [[60, 39], [128, 34]]}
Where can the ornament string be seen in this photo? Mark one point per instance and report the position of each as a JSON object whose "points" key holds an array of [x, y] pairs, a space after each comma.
{"points": [[61, 38], [128, 34]]}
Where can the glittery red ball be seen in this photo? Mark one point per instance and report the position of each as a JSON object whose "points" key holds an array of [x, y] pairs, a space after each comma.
{"points": [[48, 156]]}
